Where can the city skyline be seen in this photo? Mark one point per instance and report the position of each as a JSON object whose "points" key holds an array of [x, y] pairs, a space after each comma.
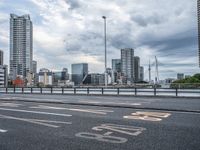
{"points": [[63, 33]]}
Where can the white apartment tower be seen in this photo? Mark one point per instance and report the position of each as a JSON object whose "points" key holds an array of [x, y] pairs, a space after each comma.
{"points": [[21, 45], [127, 65]]}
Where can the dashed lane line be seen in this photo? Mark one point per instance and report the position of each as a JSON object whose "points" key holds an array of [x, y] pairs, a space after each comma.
{"points": [[102, 112], [3, 131], [36, 112], [10, 105], [36, 121], [116, 103]]}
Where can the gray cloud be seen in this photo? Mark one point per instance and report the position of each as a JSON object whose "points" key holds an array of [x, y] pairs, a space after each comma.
{"points": [[148, 20], [74, 4]]}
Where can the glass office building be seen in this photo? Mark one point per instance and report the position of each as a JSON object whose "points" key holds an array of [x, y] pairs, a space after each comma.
{"points": [[79, 72]]}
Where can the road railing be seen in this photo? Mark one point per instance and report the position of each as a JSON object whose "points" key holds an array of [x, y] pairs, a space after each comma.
{"points": [[103, 91]]}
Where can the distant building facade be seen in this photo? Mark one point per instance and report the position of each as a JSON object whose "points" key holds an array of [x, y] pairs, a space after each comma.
{"points": [[95, 79], [116, 67], [34, 66], [127, 65], [3, 71], [141, 73], [136, 65], [169, 80], [1, 57], [3, 75], [79, 72], [187, 76], [34, 73], [18, 82], [60, 77], [21, 45], [45, 77], [180, 76]]}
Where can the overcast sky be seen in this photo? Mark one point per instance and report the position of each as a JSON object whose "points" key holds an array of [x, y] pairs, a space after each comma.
{"points": [[71, 31]]}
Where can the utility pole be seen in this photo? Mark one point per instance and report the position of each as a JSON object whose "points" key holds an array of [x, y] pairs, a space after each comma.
{"points": [[106, 77]]}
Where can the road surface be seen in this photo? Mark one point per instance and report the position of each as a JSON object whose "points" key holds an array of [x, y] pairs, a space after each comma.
{"points": [[55, 122]]}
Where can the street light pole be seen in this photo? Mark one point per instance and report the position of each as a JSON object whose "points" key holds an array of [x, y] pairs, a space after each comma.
{"points": [[106, 79]]}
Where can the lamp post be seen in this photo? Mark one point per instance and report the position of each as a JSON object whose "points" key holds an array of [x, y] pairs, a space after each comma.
{"points": [[106, 79]]}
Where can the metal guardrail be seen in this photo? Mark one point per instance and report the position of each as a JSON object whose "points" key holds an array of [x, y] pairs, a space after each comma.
{"points": [[104, 91]]}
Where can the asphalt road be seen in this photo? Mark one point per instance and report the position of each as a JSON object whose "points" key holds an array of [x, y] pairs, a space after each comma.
{"points": [[37, 122]]}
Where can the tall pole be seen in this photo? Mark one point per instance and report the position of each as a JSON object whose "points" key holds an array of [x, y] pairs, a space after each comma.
{"points": [[198, 19], [106, 79]]}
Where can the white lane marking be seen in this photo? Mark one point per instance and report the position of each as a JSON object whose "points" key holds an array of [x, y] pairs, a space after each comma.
{"points": [[107, 133], [129, 130], [101, 138], [116, 103], [36, 121], [36, 112], [3, 131], [102, 112], [10, 105], [155, 114], [32, 99], [108, 137], [148, 116]]}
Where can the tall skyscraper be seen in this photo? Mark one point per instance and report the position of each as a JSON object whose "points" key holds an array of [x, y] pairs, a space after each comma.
{"points": [[79, 72], [34, 65], [1, 57], [198, 11], [21, 45], [127, 60], [136, 68]]}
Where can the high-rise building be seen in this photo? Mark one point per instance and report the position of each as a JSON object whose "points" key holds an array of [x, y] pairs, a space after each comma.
{"points": [[21, 45], [198, 11], [34, 66], [141, 73], [127, 65], [79, 72], [136, 68], [1, 57]]}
